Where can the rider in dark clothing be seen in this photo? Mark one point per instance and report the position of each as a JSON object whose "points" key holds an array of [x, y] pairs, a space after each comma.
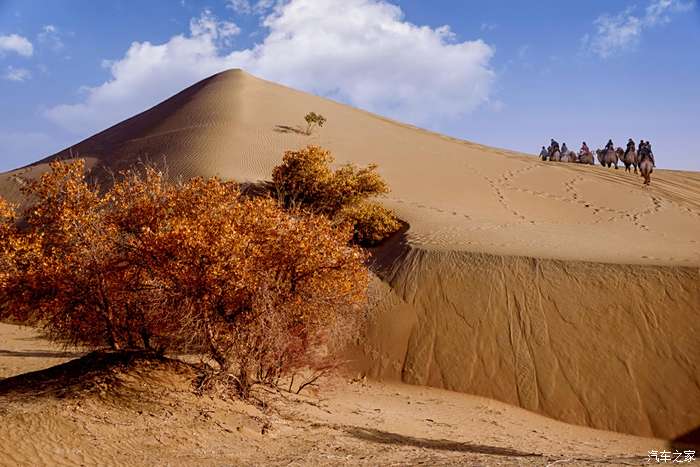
{"points": [[554, 146], [610, 145], [630, 146], [584, 148], [645, 151], [651, 154], [564, 149]]}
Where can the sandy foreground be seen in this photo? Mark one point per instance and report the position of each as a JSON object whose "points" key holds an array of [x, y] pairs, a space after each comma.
{"points": [[568, 290], [148, 415]]}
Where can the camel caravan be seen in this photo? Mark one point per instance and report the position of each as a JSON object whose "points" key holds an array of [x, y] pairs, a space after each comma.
{"points": [[641, 158]]}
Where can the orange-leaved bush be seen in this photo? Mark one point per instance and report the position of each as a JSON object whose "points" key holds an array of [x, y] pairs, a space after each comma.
{"points": [[371, 223], [8, 243], [305, 180], [192, 266]]}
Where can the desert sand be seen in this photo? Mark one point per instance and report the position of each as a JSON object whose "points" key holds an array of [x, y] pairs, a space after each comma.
{"points": [[570, 291], [146, 414]]}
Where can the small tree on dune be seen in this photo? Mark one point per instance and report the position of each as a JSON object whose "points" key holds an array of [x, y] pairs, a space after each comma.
{"points": [[151, 264], [313, 120], [306, 181]]}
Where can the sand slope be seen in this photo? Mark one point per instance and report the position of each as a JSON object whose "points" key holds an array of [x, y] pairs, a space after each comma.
{"points": [[140, 412], [564, 289]]}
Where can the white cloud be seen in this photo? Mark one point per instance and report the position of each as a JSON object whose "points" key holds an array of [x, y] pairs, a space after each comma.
{"points": [[219, 31], [17, 44], [365, 54], [659, 11], [247, 7], [615, 33], [16, 74], [623, 31], [51, 37]]}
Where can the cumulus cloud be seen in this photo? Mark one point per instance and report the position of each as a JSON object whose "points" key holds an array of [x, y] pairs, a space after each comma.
{"points": [[623, 31], [16, 44], [16, 74], [365, 54]]}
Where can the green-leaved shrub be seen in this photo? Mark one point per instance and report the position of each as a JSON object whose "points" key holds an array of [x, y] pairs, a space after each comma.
{"points": [[313, 120]]}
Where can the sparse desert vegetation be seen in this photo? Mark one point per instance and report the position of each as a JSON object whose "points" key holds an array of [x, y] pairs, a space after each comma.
{"points": [[189, 266], [305, 180], [313, 120]]}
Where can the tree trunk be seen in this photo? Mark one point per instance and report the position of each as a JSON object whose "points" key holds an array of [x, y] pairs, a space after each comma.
{"points": [[216, 353], [146, 338]]}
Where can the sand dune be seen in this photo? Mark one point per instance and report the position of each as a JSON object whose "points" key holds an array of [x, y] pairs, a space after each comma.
{"points": [[117, 410], [568, 290]]}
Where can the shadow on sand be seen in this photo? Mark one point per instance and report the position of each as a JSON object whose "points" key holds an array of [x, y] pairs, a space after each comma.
{"points": [[94, 370], [41, 354], [385, 437], [290, 129], [689, 440]]}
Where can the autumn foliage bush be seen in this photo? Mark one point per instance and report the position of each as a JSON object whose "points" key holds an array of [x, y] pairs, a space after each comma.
{"points": [[8, 249], [305, 180], [194, 265]]}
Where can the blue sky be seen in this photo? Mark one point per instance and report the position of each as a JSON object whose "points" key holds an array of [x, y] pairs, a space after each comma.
{"points": [[505, 73]]}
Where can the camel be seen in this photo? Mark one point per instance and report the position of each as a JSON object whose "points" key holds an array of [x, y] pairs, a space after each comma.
{"points": [[646, 167], [607, 158], [569, 156], [586, 157], [629, 158], [554, 156], [619, 152]]}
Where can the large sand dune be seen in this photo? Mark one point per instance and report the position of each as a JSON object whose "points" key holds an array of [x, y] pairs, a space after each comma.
{"points": [[567, 290]]}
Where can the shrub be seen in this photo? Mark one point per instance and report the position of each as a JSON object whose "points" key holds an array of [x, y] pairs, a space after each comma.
{"points": [[306, 181], [8, 244], [371, 222], [186, 266], [303, 178], [71, 277], [313, 120]]}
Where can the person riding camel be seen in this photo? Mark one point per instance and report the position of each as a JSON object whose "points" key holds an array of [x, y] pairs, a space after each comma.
{"points": [[630, 146], [651, 153], [564, 149], [584, 149], [645, 151], [554, 146], [610, 146], [544, 153]]}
